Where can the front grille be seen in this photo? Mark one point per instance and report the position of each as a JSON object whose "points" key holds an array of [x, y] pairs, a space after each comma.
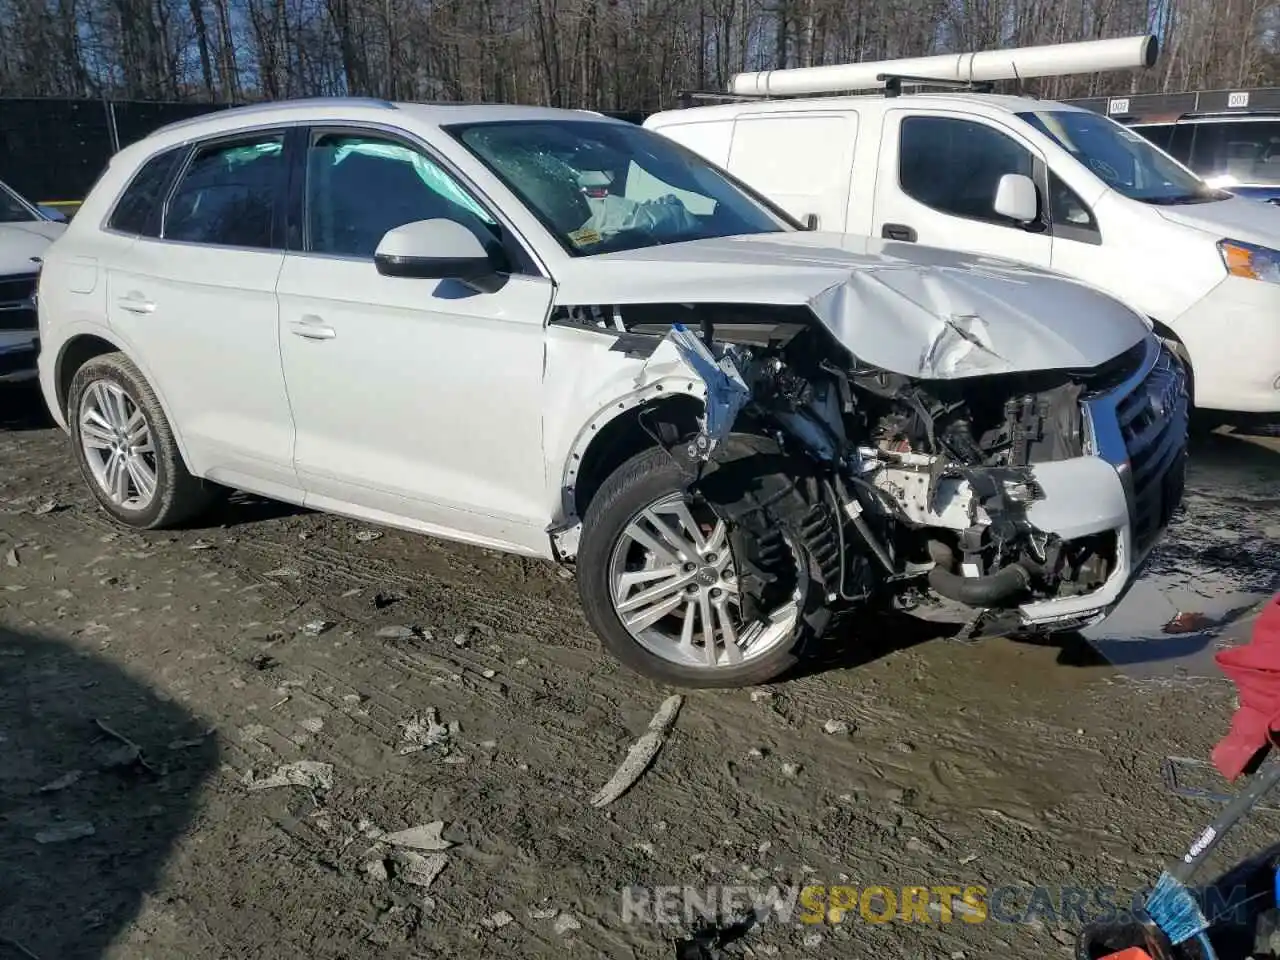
{"points": [[17, 303], [1153, 423]]}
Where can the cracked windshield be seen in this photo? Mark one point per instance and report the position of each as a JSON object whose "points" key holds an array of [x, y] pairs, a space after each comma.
{"points": [[603, 188]]}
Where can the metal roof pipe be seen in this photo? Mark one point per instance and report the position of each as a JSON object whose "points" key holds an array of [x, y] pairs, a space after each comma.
{"points": [[1019, 63]]}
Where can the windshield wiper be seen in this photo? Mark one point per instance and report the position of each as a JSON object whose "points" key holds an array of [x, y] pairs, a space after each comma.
{"points": [[1204, 196]]}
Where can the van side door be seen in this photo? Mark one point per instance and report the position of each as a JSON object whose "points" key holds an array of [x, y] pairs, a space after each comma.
{"points": [[937, 183], [802, 161]]}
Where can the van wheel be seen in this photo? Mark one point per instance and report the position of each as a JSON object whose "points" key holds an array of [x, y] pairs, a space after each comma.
{"points": [[126, 450], [664, 575]]}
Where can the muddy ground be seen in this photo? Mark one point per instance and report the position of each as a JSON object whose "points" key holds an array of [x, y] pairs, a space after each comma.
{"points": [[262, 638]]}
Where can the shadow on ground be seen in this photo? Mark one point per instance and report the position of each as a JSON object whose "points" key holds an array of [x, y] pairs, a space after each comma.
{"points": [[22, 408], [88, 822]]}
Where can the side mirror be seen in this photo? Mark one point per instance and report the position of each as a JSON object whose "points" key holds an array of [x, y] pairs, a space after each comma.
{"points": [[439, 250], [811, 221], [1016, 198], [52, 213]]}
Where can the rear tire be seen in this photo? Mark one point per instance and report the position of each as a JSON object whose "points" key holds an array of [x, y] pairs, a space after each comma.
{"points": [[750, 487], [126, 449]]}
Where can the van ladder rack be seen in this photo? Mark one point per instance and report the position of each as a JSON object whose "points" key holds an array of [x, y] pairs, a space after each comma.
{"points": [[893, 83]]}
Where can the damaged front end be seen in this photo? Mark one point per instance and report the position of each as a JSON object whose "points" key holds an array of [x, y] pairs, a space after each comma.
{"points": [[939, 488]]}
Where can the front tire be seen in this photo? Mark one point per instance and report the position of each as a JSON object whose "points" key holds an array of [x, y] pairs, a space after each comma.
{"points": [[663, 571], [126, 450]]}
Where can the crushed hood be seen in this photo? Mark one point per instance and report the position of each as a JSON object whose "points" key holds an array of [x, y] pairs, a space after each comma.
{"points": [[1236, 218], [19, 242], [914, 310]]}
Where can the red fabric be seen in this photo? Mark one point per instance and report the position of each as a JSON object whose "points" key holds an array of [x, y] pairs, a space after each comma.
{"points": [[1255, 670]]}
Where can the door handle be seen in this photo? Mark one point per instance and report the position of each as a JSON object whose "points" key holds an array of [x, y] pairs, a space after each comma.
{"points": [[898, 231], [312, 327], [136, 303]]}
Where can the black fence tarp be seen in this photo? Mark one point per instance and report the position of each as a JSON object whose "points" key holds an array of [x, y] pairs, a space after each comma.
{"points": [[55, 149]]}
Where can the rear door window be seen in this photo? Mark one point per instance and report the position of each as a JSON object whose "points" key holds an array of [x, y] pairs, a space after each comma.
{"points": [[227, 196]]}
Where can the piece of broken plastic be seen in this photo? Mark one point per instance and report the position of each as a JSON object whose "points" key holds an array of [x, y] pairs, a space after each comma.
{"points": [[727, 392]]}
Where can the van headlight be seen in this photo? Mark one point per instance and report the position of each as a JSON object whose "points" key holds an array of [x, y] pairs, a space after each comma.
{"points": [[1250, 261]]}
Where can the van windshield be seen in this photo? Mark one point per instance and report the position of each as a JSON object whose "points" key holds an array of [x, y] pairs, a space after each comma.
{"points": [[604, 187], [1121, 158]]}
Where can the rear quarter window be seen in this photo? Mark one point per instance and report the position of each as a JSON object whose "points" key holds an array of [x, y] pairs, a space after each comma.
{"points": [[137, 212]]}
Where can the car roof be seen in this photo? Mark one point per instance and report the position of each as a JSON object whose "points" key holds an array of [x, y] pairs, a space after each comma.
{"points": [[991, 101], [357, 109]]}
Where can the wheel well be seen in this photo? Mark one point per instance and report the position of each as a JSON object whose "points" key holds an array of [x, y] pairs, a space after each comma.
{"points": [[624, 436], [77, 352]]}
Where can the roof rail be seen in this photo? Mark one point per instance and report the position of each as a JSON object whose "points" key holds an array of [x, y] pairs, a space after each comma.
{"points": [[686, 97], [272, 105]]}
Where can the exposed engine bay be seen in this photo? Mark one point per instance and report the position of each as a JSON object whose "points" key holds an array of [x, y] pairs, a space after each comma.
{"points": [[929, 482]]}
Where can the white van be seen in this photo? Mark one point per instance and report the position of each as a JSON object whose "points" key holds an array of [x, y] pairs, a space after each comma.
{"points": [[1032, 180]]}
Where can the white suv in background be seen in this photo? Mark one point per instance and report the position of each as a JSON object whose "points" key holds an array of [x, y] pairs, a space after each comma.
{"points": [[25, 231], [551, 333]]}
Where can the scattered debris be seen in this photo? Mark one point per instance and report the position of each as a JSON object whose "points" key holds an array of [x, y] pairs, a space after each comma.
{"points": [[755, 753], [11, 558], [418, 733], [791, 770], [191, 741], [425, 837], [835, 727], [543, 913], [303, 773], [566, 923], [564, 573], [375, 868], [312, 724], [353, 592], [916, 845], [66, 831], [129, 754], [368, 536], [317, 627], [399, 632], [1185, 622], [904, 746], [353, 698], [285, 573], [416, 869], [758, 696], [641, 753], [967, 859], [49, 506], [488, 744], [201, 545], [64, 781], [497, 921], [812, 940], [263, 661], [489, 674]]}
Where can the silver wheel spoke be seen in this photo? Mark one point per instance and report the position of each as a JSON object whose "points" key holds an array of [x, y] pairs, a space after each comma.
{"points": [[117, 479], [686, 631], [708, 629], [657, 593], [680, 510], [728, 635], [686, 549], [94, 436], [144, 478], [652, 615], [659, 549], [136, 430]]}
